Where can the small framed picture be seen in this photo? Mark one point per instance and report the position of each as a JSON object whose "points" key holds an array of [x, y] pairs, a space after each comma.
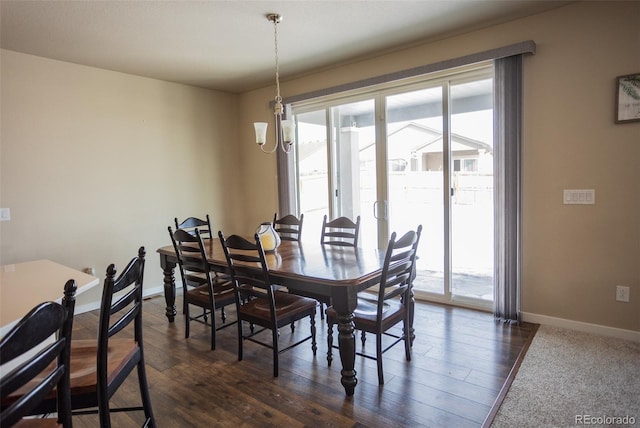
{"points": [[628, 98]]}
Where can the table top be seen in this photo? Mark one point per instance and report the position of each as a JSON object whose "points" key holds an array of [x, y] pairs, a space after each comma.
{"points": [[321, 264], [24, 285]]}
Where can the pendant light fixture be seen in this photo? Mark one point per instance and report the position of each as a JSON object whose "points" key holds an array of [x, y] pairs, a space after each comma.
{"points": [[285, 128]]}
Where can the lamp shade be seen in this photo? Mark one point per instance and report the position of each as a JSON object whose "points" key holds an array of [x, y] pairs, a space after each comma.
{"points": [[261, 132], [288, 130]]}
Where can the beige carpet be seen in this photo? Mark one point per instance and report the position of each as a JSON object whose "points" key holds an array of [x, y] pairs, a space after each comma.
{"points": [[570, 378]]}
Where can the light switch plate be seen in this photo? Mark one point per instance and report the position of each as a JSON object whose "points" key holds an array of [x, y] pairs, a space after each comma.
{"points": [[579, 197], [5, 214]]}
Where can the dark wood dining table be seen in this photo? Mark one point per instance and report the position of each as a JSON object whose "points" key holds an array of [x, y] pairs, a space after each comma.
{"points": [[339, 272]]}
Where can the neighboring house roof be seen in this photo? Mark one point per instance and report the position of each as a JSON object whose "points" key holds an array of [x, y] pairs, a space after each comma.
{"points": [[405, 141], [415, 138]]}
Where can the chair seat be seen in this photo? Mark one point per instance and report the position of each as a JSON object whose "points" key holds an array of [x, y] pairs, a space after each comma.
{"points": [[83, 362], [200, 296], [38, 423], [365, 314], [289, 307]]}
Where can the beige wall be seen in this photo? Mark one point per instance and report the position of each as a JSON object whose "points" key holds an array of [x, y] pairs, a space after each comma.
{"points": [[96, 163], [574, 256]]}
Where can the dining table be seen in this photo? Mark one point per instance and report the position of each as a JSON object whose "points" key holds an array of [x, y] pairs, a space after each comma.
{"points": [[26, 284], [338, 272]]}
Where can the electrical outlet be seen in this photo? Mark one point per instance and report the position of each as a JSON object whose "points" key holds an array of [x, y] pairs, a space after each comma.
{"points": [[622, 293], [5, 214]]}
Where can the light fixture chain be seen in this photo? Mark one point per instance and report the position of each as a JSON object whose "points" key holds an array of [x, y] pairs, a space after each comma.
{"points": [[275, 36], [278, 109]]}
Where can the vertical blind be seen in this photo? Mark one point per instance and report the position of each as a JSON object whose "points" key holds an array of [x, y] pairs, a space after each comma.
{"points": [[507, 125]]}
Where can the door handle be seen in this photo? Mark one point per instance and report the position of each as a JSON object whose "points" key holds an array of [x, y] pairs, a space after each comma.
{"points": [[376, 210]]}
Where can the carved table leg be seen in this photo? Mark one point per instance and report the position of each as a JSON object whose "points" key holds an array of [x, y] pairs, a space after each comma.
{"points": [[347, 344], [169, 287], [344, 300]]}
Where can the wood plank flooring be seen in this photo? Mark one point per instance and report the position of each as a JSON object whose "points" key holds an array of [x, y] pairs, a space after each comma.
{"points": [[461, 360]]}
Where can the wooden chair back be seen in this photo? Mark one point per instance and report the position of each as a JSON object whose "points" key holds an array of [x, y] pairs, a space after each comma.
{"points": [[288, 227], [399, 269], [191, 258], [341, 231], [116, 313], [193, 224], [46, 363], [241, 254]]}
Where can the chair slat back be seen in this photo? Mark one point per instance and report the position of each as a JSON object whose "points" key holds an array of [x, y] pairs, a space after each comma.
{"points": [[341, 231], [193, 224], [243, 257], [125, 310], [192, 258], [288, 227], [29, 339], [398, 268]]}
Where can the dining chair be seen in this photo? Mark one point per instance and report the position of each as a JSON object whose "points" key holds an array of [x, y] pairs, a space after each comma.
{"points": [[393, 303], [99, 367], [42, 368], [341, 231], [192, 224], [199, 286], [257, 300], [288, 227]]}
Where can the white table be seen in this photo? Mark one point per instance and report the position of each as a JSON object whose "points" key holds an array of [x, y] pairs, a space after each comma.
{"points": [[24, 285]]}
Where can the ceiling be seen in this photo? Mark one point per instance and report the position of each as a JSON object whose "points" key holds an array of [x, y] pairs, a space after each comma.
{"points": [[229, 44]]}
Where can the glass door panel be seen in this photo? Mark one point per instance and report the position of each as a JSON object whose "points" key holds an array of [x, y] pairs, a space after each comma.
{"points": [[313, 171], [472, 195], [415, 178], [354, 188]]}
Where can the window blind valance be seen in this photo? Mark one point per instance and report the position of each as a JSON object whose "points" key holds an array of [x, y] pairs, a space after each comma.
{"points": [[526, 47]]}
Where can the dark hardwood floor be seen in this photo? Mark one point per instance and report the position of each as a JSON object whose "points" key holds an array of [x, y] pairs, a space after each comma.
{"points": [[461, 360]]}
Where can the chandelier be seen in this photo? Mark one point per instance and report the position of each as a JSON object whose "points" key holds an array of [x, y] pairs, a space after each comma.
{"points": [[285, 128]]}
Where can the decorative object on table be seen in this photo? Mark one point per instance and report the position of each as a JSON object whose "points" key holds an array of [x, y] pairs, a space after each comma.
{"points": [[628, 98], [269, 238], [284, 127]]}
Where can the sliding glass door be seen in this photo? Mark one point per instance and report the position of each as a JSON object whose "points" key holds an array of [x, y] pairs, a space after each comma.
{"points": [[403, 156]]}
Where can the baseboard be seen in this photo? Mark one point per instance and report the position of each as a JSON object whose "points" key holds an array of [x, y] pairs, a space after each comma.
{"points": [[92, 306], [582, 326]]}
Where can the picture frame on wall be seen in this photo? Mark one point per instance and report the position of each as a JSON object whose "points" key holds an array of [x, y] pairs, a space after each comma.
{"points": [[628, 98]]}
